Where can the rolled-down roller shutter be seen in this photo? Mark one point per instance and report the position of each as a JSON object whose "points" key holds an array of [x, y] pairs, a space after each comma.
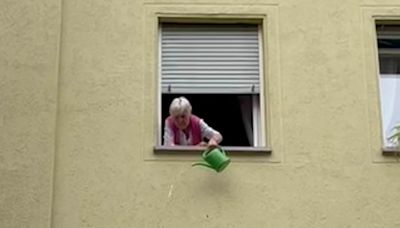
{"points": [[210, 58]]}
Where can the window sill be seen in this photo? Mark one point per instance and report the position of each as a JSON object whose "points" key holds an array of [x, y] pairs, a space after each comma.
{"points": [[391, 151], [230, 150]]}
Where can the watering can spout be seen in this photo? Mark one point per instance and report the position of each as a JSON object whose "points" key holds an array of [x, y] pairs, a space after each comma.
{"points": [[203, 164]]}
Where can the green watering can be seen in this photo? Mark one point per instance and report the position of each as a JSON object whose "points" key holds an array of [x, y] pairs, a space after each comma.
{"points": [[215, 159]]}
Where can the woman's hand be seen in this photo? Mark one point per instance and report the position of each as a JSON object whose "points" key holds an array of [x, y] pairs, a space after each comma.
{"points": [[212, 143], [202, 143]]}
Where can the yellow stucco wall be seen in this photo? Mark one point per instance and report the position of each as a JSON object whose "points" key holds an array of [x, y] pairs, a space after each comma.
{"points": [[78, 110], [29, 38]]}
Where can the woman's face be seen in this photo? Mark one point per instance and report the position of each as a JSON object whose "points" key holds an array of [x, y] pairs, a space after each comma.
{"points": [[182, 120]]}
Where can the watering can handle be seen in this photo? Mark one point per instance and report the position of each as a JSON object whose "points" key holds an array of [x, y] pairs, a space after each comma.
{"points": [[213, 147]]}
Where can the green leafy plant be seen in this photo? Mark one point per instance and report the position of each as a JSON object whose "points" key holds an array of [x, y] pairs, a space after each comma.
{"points": [[395, 136]]}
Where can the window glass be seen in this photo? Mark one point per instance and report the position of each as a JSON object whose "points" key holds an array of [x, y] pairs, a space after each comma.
{"points": [[389, 66]]}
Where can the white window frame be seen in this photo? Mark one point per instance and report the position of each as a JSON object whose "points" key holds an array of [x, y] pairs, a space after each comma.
{"points": [[259, 118], [385, 51]]}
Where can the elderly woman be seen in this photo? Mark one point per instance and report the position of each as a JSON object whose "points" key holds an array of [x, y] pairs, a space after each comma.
{"points": [[184, 128]]}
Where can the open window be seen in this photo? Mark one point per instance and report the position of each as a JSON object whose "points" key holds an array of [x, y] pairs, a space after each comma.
{"points": [[388, 38], [218, 68]]}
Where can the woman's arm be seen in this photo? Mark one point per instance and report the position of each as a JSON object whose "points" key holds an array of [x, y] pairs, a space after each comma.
{"points": [[215, 139], [168, 135], [212, 135]]}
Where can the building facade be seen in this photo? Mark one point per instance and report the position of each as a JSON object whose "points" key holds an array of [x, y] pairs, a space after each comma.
{"points": [[82, 111]]}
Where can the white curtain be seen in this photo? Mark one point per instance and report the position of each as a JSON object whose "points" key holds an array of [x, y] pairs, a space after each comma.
{"points": [[246, 108], [390, 102]]}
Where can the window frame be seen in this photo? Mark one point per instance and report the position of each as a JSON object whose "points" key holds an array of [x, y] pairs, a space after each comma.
{"points": [[273, 125], [370, 17], [387, 150], [258, 116]]}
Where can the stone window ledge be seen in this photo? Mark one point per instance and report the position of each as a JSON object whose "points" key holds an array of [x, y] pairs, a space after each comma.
{"points": [[391, 151], [231, 150]]}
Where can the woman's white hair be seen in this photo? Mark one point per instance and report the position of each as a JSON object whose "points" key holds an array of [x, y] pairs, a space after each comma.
{"points": [[179, 106]]}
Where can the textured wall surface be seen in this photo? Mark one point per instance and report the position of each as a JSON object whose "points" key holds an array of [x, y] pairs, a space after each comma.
{"points": [[29, 34], [78, 106]]}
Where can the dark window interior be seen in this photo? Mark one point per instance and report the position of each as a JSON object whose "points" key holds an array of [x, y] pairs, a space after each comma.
{"points": [[389, 40], [220, 111], [389, 64], [389, 43], [388, 36]]}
